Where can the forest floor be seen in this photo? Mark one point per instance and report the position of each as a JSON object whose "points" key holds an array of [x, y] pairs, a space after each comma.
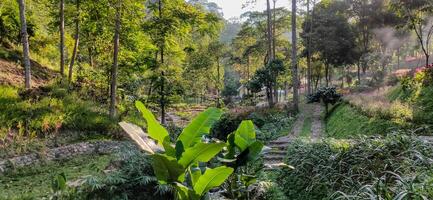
{"points": [[307, 126]]}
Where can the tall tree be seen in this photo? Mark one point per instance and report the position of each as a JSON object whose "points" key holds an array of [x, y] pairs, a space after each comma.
{"points": [[309, 70], [417, 14], [62, 37], [294, 59], [76, 38], [25, 43], [113, 85]]}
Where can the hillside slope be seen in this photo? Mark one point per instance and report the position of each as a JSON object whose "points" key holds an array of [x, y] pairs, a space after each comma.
{"points": [[12, 74]]}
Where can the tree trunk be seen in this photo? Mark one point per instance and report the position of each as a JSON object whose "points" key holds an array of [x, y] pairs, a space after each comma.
{"points": [[25, 42], [274, 42], [308, 50], [77, 40], [269, 31], [162, 94], [359, 73], [327, 74], [62, 37], [115, 63], [294, 59], [218, 83]]}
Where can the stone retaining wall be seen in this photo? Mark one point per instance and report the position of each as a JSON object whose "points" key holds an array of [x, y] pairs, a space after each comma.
{"points": [[60, 153]]}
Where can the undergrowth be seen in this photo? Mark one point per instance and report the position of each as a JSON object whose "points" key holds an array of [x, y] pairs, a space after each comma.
{"points": [[35, 182], [395, 167], [270, 123], [346, 121]]}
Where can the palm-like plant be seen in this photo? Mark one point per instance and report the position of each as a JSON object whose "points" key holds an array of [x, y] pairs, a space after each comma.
{"points": [[178, 163]]}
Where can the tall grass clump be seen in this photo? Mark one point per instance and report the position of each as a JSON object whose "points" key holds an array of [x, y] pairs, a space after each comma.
{"points": [[395, 167]]}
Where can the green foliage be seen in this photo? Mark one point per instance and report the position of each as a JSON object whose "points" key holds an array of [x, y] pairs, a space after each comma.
{"points": [[382, 168], [271, 124], [176, 164], [345, 121], [36, 182], [326, 95], [50, 112], [133, 178]]}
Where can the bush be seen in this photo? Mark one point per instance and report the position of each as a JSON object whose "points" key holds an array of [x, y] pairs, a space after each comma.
{"points": [[132, 178], [270, 123], [384, 168], [41, 115]]}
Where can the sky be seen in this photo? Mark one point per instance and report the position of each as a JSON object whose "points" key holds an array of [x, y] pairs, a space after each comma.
{"points": [[233, 8]]}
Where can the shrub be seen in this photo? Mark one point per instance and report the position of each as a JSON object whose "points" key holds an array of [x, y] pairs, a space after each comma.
{"points": [[326, 95], [385, 168]]}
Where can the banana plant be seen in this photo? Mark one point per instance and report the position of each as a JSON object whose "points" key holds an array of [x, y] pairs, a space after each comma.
{"points": [[243, 148], [178, 163]]}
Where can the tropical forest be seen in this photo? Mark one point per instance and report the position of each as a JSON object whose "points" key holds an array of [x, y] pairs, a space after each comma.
{"points": [[216, 99]]}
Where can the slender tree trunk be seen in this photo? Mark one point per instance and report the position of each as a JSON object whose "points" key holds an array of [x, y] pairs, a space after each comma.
{"points": [[274, 42], [398, 57], [162, 94], [359, 73], [115, 63], [294, 59], [327, 74], [25, 42], [77, 40], [62, 37], [218, 83], [270, 55], [269, 31], [308, 49]]}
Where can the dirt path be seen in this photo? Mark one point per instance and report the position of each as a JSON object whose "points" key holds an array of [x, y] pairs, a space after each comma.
{"points": [[317, 122], [274, 158]]}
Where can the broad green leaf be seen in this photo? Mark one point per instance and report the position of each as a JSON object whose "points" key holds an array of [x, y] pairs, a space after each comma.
{"points": [[195, 175], [200, 126], [231, 146], [201, 152], [212, 178], [185, 193], [154, 129], [255, 149], [179, 149], [245, 135], [166, 169], [137, 134]]}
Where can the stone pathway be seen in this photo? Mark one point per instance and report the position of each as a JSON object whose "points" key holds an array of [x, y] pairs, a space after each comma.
{"points": [[60, 153], [317, 122], [274, 157]]}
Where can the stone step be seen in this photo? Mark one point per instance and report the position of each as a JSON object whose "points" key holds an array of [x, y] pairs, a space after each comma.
{"points": [[278, 146], [276, 152], [282, 141], [274, 157]]}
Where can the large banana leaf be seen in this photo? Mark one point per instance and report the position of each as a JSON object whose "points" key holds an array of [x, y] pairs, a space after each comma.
{"points": [[185, 193], [201, 152], [245, 135], [199, 126], [167, 170], [212, 178], [255, 149], [154, 129]]}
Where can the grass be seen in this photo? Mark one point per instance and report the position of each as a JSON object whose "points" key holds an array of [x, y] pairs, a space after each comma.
{"points": [[28, 125], [376, 168], [35, 182], [346, 121], [306, 128]]}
